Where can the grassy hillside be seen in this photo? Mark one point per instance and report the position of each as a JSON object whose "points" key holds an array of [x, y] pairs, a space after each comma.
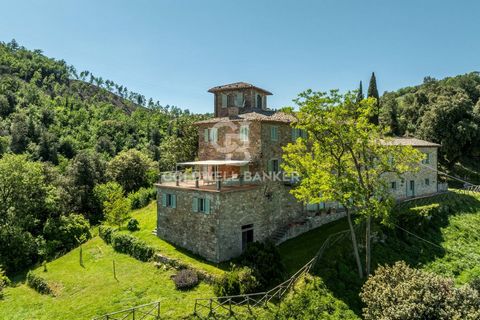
{"points": [[448, 224], [85, 292], [147, 217]]}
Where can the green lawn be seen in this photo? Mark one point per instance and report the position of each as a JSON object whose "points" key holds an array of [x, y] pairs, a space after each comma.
{"points": [[147, 217], [85, 292], [298, 251]]}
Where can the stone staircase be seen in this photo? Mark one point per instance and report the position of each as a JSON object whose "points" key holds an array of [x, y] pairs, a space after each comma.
{"points": [[278, 235]]}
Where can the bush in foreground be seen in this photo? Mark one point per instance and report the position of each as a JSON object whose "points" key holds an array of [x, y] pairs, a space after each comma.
{"points": [[265, 261], [235, 282], [38, 284], [4, 282], [133, 225], [311, 300], [401, 292], [186, 279]]}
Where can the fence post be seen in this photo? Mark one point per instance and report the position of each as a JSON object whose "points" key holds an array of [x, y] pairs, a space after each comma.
{"points": [[230, 306], [158, 310], [133, 314], [211, 310]]}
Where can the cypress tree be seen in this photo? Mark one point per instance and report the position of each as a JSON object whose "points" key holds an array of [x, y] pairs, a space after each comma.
{"points": [[373, 93], [360, 92]]}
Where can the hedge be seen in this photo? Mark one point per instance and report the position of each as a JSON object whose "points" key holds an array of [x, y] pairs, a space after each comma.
{"points": [[125, 243], [38, 284]]}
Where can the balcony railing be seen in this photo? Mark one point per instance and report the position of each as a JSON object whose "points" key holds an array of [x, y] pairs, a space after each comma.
{"points": [[202, 180]]}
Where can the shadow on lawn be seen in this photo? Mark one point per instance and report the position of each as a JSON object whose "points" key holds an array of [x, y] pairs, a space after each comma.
{"points": [[337, 266]]}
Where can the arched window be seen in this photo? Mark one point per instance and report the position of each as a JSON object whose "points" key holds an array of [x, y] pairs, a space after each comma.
{"points": [[259, 101]]}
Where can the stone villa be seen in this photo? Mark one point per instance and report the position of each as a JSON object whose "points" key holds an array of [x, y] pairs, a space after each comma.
{"points": [[217, 206]]}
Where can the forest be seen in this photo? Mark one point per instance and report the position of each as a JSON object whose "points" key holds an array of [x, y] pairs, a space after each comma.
{"points": [[65, 138]]}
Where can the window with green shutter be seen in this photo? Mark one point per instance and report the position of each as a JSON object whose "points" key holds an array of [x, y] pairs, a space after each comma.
{"points": [[169, 200], [224, 100], [274, 133], [205, 134], [244, 133], [195, 204], [164, 199], [213, 135], [201, 205]]}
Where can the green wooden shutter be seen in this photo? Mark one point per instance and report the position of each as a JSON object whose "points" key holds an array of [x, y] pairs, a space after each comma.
{"points": [[207, 205], [224, 100], [294, 134], [269, 166], [195, 204], [174, 201], [205, 135], [164, 199], [214, 134]]}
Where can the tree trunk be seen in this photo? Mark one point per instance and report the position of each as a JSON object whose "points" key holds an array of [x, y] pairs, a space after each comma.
{"points": [[368, 246], [354, 244]]}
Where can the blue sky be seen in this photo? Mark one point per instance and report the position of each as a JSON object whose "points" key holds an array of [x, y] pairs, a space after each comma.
{"points": [[174, 51]]}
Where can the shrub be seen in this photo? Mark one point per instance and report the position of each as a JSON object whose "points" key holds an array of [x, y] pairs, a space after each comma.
{"points": [[38, 284], [235, 282], [66, 232], [133, 225], [105, 232], [265, 261], [401, 292], [185, 279], [130, 245], [18, 248], [4, 282], [142, 197], [312, 300]]}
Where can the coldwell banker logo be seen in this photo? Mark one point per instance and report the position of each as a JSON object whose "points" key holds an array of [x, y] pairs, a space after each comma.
{"points": [[236, 140]]}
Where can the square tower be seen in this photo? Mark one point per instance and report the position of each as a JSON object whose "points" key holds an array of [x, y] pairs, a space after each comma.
{"points": [[237, 98]]}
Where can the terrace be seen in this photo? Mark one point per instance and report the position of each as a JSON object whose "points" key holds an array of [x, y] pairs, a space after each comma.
{"points": [[208, 175]]}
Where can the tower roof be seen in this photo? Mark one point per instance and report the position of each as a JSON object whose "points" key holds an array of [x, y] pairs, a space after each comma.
{"points": [[237, 85]]}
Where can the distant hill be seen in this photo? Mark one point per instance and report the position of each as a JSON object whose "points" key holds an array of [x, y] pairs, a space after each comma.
{"points": [[50, 111]]}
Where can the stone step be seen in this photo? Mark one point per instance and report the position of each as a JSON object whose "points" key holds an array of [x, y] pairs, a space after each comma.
{"points": [[154, 231]]}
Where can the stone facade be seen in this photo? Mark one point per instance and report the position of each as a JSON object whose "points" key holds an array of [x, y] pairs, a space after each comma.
{"points": [[254, 211], [217, 235], [422, 182]]}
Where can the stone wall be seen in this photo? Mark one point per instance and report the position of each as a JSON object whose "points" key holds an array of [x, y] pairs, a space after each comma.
{"points": [[273, 149], [194, 231], [269, 208], [249, 104], [402, 189], [217, 236]]}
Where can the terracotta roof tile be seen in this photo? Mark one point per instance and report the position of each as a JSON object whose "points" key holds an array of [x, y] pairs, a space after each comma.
{"points": [[266, 116], [414, 142], [238, 85]]}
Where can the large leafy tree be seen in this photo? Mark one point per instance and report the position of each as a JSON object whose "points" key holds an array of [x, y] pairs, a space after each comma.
{"points": [[131, 169], [345, 159]]}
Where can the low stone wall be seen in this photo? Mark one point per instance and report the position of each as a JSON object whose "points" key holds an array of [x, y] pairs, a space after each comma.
{"points": [[310, 223]]}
